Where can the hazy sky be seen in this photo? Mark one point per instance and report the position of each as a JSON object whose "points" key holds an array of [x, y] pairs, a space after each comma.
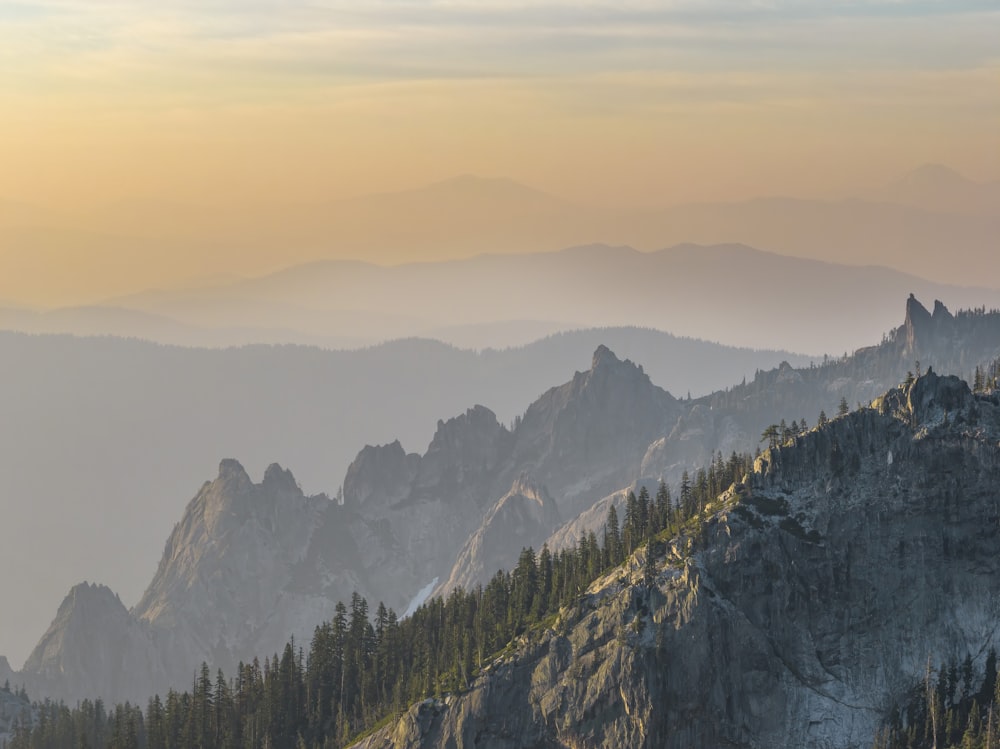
{"points": [[289, 100]]}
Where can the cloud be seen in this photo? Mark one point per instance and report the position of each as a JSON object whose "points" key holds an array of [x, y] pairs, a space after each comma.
{"points": [[442, 37]]}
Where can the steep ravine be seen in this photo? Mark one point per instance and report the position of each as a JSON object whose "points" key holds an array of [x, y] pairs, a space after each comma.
{"points": [[809, 607]]}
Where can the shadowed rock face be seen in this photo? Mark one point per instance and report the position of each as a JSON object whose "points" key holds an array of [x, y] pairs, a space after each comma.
{"points": [[849, 556]]}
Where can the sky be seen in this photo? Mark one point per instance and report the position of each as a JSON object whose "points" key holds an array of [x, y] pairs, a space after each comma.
{"points": [[218, 101]]}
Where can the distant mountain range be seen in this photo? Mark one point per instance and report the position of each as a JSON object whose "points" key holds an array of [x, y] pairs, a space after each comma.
{"points": [[499, 300], [932, 222]]}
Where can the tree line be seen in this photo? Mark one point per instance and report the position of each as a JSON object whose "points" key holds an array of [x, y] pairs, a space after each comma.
{"points": [[952, 707]]}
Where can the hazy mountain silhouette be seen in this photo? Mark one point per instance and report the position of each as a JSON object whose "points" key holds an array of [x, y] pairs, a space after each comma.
{"points": [[105, 438], [936, 187], [931, 223], [792, 303]]}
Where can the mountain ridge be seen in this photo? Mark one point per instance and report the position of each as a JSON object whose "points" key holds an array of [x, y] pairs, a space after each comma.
{"points": [[407, 515], [787, 620]]}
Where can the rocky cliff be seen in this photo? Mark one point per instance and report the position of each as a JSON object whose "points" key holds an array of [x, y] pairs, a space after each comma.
{"points": [[803, 610]]}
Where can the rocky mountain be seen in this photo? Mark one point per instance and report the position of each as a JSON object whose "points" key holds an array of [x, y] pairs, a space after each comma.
{"points": [[248, 566], [803, 612], [251, 564], [166, 416], [94, 643], [735, 418], [480, 481]]}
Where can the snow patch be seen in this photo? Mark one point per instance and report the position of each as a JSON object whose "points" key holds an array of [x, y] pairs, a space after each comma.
{"points": [[418, 600]]}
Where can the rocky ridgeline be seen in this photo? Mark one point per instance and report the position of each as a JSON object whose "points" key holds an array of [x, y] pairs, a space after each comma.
{"points": [[251, 564], [800, 615], [481, 492]]}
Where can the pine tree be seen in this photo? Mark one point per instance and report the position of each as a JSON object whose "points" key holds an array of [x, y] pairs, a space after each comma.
{"points": [[664, 505], [612, 538]]}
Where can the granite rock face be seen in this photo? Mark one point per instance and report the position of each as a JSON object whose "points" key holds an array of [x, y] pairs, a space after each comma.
{"points": [[523, 515], [806, 611]]}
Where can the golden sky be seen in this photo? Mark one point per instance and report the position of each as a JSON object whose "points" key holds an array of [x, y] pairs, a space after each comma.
{"points": [[625, 102], [640, 101]]}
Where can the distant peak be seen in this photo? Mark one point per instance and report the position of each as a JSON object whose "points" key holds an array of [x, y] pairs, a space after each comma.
{"points": [[85, 592], [916, 313], [277, 478], [229, 467], [931, 178], [934, 172], [940, 311], [604, 357]]}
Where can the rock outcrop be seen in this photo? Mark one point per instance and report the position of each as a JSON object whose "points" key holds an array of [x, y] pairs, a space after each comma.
{"points": [[802, 614], [522, 518]]}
